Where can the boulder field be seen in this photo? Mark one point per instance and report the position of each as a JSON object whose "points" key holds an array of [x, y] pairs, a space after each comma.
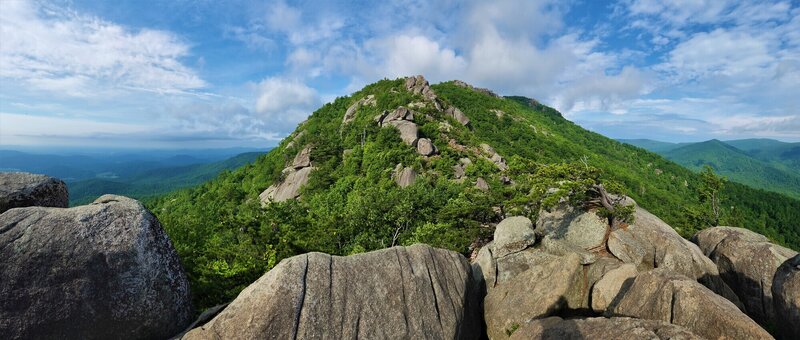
{"points": [[108, 270]]}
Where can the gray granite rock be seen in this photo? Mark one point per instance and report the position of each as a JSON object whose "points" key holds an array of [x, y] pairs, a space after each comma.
{"points": [[22, 189], [100, 271]]}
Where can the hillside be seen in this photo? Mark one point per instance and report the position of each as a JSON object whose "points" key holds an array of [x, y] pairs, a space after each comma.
{"points": [[154, 181], [737, 165], [771, 151], [761, 163], [75, 164], [400, 162]]}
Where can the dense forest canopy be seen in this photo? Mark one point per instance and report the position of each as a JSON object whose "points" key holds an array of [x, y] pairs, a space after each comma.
{"points": [[351, 204]]}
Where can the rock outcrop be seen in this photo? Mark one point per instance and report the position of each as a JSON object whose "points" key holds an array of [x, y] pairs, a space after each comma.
{"points": [[426, 148], [556, 328], [650, 243], [559, 269], [478, 89], [575, 227], [610, 285], [397, 293], [747, 262], [786, 298], [404, 176], [491, 155], [100, 271], [418, 85], [481, 184], [460, 169], [548, 283], [22, 189], [350, 114], [297, 175], [459, 116], [670, 297]]}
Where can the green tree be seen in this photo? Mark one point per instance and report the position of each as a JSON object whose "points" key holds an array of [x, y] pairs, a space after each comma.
{"points": [[710, 187]]}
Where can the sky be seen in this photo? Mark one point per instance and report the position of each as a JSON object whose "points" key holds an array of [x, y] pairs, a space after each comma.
{"points": [[208, 73]]}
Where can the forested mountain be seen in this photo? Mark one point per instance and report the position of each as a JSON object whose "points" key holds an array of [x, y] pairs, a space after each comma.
{"points": [[81, 163], [154, 181], [761, 163], [401, 162]]}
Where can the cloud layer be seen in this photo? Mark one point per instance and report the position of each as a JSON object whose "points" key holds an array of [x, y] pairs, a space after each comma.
{"points": [[674, 70]]}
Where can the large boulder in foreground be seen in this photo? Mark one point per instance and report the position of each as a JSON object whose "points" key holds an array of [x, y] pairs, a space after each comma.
{"points": [[556, 328], [101, 271], [397, 293], [747, 262], [674, 298], [548, 284], [22, 189], [651, 243], [786, 298]]}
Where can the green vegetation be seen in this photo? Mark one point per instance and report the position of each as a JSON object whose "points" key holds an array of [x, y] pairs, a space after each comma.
{"points": [[351, 204], [760, 163], [155, 181]]}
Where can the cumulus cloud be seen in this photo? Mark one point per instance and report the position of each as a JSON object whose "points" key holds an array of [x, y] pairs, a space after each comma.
{"points": [[67, 53], [285, 102]]}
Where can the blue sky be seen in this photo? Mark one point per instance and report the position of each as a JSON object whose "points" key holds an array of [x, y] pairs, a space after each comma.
{"points": [[206, 73]]}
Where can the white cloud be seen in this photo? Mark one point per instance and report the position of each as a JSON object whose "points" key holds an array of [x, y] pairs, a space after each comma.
{"points": [[285, 102], [289, 20], [721, 53], [20, 129], [66, 53], [403, 55]]}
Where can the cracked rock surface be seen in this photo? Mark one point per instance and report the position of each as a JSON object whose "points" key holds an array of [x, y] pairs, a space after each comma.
{"points": [[411, 292]]}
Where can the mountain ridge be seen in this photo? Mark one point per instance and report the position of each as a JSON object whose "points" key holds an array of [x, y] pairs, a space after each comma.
{"points": [[503, 162], [757, 167]]}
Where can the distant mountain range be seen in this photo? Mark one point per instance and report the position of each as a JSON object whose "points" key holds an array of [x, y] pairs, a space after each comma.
{"points": [[155, 181], [136, 174], [761, 163]]}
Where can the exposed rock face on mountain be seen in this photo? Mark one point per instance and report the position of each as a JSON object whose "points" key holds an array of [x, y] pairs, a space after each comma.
{"points": [[404, 176], [674, 298], [458, 115], [786, 297], [350, 114], [479, 89], [418, 85], [650, 243], [22, 189], [550, 282], [397, 293], [747, 261], [425, 147], [556, 328], [100, 271], [610, 285], [403, 120], [558, 268], [297, 175], [578, 228], [490, 154]]}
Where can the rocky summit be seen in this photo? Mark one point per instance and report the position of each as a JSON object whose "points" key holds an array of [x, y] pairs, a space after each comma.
{"points": [[408, 210]]}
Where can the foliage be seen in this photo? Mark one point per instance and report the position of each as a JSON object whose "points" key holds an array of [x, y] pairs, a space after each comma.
{"points": [[710, 187], [226, 239]]}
